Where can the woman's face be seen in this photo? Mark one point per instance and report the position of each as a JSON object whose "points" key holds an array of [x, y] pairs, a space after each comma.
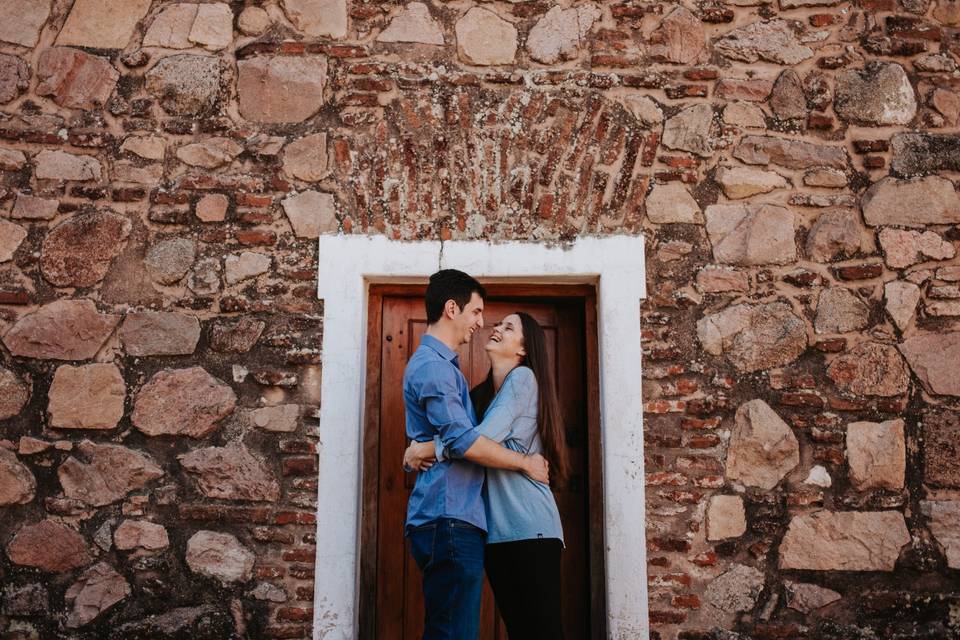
{"points": [[507, 338]]}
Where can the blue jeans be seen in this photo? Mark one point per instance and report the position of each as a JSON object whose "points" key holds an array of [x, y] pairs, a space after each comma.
{"points": [[450, 555]]}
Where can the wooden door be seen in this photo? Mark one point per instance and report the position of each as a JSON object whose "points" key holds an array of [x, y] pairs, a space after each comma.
{"points": [[397, 607]]}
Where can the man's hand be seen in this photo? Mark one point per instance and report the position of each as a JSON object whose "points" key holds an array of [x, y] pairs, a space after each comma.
{"points": [[419, 456], [537, 468]]}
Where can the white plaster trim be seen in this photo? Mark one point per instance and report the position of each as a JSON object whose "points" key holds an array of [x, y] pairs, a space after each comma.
{"points": [[347, 266]]}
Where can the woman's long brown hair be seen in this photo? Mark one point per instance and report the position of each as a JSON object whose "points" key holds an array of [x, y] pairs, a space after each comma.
{"points": [[549, 425]]}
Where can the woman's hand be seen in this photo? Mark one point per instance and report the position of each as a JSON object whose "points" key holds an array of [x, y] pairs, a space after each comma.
{"points": [[419, 456]]}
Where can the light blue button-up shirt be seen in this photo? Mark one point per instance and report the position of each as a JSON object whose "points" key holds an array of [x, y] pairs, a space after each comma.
{"points": [[517, 507], [437, 404]]}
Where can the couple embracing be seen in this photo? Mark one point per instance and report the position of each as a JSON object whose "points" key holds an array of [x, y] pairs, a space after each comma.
{"points": [[482, 498]]}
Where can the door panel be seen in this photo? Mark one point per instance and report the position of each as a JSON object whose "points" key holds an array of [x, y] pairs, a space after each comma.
{"points": [[399, 609]]}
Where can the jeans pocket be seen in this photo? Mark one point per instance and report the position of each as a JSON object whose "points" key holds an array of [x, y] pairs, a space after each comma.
{"points": [[467, 543], [422, 542]]}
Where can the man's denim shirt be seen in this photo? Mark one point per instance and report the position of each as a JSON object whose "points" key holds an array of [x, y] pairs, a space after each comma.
{"points": [[437, 402]]}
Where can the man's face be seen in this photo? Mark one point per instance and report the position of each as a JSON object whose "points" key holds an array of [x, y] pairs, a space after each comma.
{"points": [[469, 319]]}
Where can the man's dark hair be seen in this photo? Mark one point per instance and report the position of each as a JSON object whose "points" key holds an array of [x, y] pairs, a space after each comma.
{"points": [[450, 284]]}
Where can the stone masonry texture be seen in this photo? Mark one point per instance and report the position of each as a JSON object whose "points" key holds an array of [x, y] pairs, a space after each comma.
{"points": [[166, 168]]}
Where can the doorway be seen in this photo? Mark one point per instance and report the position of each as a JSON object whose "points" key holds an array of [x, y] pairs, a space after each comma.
{"points": [[390, 601]]}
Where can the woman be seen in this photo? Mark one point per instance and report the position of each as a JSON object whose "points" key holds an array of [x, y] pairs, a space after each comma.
{"points": [[519, 406]]}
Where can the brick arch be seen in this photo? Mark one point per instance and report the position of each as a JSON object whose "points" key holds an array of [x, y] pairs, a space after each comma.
{"points": [[476, 161]]}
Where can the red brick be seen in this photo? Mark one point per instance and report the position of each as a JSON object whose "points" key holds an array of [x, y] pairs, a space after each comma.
{"points": [[666, 617], [846, 404], [299, 555], [671, 579], [716, 15], [701, 73], [806, 498], [710, 482], [824, 19], [680, 162], [253, 200], [704, 442], [700, 463], [301, 571], [15, 296], [679, 92], [294, 614], [371, 84], [338, 50], [664, 406], [169, 197], [859, 272], [128, 194], [269, 573], [685, 601], [226, 513], [619, 62], [687, 177], [698, 423], [831, 345], [870, 146], [305, 594], [528, 9], [683, 497], [295, 517], [820, 122], [272, 534], [777, 631], [662, 478], [913, 28], [256, 237], [629, 10], [833, 62], [255, 217], [877, 5], [831, 455], [299, 466], [668, 544], [827, 435], [297, 446], [365, 12], [705, 559], [287, 631], [799, 399], [892, 405]]}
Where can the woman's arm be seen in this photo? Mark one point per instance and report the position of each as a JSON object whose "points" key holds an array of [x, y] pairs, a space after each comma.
{"points": [[485, 452], [511, 402]]}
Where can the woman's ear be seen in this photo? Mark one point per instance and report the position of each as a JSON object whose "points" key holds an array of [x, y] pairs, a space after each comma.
{"points": [[522, 353]]}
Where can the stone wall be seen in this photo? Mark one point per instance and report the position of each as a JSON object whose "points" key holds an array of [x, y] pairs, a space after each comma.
{"points": [[166, 168]]}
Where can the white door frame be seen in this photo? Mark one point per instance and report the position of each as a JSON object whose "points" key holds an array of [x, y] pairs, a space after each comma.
{"points": [[348, 264]]}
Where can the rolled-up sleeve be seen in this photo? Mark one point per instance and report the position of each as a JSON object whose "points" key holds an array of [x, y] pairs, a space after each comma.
{"points": [[444, 408]]}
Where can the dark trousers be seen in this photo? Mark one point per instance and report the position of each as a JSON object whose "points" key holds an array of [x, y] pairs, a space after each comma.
{"points": [[450, 555], [525, 577]]}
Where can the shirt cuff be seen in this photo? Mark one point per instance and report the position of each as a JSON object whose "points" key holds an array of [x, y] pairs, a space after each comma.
{"points": [[439, 449], [459, 446]]}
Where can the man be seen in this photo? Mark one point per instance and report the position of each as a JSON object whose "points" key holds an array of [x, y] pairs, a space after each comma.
{"points": [[446, 522]]}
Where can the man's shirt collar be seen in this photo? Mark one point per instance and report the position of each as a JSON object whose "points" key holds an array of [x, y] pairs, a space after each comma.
{"points": [[445, 352]]}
